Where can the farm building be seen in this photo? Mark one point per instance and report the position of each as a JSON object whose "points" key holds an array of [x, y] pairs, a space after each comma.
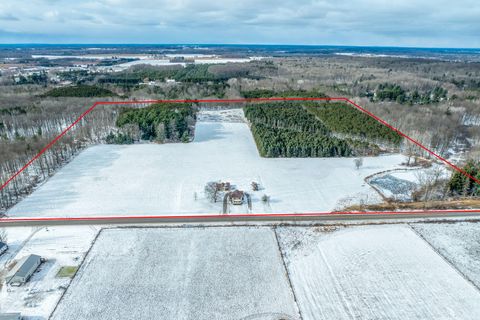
{"points": [[23, 270], [3, 248], [236, 197], [10, 316]]}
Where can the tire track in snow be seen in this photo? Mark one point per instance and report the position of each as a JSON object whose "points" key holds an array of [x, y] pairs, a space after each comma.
{"points": [[287, 272]]}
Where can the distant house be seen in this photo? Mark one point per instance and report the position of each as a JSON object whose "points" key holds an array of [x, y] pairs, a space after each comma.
{"points": [[236, 197], [10, 316], [23, 270], [3, 248]]}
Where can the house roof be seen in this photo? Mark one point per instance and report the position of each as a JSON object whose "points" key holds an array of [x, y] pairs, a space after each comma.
{"points": [[24, 266], [237, 194], [10, 316]]}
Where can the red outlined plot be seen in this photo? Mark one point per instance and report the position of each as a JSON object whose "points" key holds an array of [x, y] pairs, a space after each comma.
{"points": [[243, 100]]}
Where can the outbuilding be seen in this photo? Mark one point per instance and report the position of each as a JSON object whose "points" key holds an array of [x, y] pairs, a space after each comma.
{"points": [[23, 270]]}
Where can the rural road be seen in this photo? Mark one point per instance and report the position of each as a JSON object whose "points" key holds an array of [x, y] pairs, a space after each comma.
{"points": [[260, 218]]}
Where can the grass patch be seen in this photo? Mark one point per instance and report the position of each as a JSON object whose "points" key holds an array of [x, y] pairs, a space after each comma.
{"points": [[67, 272]]}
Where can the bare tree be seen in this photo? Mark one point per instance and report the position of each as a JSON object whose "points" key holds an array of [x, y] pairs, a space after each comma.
{"points": [[358, 162], [266, 199], [427, 181], [212, 192]]}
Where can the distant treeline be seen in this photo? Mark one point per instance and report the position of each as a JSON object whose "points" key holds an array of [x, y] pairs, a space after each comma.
{"points": [[342, 118], [158, 122], [394, 92], [192, 73], [291, 129], [265, 93], [83, 91]]}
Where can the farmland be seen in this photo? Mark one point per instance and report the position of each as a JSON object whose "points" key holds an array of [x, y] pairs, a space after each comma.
{"points": [[373, 272], [164, 179], [181, 273], [219, 272]]}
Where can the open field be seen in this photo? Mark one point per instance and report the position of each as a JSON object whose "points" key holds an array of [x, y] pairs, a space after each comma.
{"points": [[459, 243], [170, 178], [181, 273], [373, 272]]}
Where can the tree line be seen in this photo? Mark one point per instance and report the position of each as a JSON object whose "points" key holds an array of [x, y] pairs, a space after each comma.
{"points": [[462, 185], [83, 91], [342, 118], [394, 92], [159, 122], [286, 129], [266, 93]]}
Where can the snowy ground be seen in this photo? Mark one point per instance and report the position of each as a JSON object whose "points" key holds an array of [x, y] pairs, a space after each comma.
{"points": [[458, 242], [181, 273], [60, 246], [398, 184], [169, 179], [337, 272], [374, 272]]}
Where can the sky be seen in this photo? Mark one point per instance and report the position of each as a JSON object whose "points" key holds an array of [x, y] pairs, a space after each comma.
{"points": [[414, 23]]}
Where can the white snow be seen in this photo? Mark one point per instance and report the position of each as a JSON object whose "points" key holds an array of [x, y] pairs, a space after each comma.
{"points": [[60, 246], [373, 272], [458, 242], [181, 273], [163, 179]]}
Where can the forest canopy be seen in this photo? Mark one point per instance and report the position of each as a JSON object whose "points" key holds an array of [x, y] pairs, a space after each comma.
{"points": [[83, 91], [287, 129], [161, 122]]}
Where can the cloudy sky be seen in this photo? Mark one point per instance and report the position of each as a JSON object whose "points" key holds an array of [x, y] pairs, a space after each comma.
{"points": [[424, 23]]}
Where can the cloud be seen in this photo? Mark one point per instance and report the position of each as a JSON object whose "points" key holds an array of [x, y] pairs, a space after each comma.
{"points": [[348, 22]]}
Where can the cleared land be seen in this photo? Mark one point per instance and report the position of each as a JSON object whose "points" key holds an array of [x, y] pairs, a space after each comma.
{"points": [[374, 272], [458, 242], [181, 273], [169, 179]]}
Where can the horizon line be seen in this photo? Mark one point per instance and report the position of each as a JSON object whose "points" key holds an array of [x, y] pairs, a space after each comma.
{"points": [[230, 44]]}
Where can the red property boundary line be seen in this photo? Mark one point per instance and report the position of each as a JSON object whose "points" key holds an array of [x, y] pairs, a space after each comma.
{"points": [[243, 100]]}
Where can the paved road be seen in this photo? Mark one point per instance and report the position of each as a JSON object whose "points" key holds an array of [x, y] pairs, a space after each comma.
{"points": [[247, 218]]}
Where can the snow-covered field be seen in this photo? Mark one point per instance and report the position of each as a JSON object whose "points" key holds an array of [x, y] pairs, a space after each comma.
{"points": [[373, 272], [169, 179], [60, 246], [458, 242], [181, 273]]}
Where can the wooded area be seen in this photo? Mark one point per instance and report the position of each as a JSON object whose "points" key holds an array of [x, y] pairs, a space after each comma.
{"points": [[161, 122], [287, 129], [345, 119]]}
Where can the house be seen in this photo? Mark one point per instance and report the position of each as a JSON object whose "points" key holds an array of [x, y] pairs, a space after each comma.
{"points": [[23, 270], [3, 248], [236, 197], [223, 186], [10, 316]]}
